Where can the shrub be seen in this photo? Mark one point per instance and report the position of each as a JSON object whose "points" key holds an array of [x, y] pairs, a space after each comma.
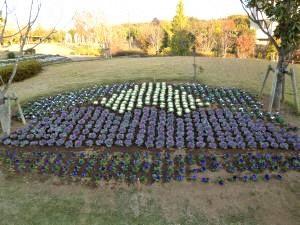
{"points": [[30, 51], [166, 51], [25, 70], [206, 54], [86, 50], [11, 55], [182, 42], [129, 53]]}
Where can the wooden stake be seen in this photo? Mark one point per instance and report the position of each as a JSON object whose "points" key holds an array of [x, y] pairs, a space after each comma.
{"points": [[21, 112], [9, 116], [265, 80], [5, 117], [283, 89], [195, 66], [293, 77], [138, 185], [273, 92]]}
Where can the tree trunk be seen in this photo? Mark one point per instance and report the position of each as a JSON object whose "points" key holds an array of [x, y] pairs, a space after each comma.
{"points": [[281, 68], [22, 44], [224, 52]]}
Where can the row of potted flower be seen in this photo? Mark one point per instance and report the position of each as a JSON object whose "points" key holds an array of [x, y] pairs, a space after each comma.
{"points": [[177, 98], [154, 128], [148, 94], [152, 167]]}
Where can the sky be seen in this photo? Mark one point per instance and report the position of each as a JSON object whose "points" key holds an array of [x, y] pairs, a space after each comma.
{"points": [[59, 13]]}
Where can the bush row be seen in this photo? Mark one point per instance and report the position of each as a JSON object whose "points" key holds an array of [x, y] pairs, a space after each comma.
{"points": [[25, 70], [129, 53], [86, 50]]}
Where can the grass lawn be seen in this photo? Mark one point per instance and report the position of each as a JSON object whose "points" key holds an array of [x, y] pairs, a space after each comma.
{"points": [[247, 74], [30, 200]]}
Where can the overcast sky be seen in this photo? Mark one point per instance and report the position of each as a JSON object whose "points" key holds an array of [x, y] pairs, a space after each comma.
{"points": [[120, 11]]}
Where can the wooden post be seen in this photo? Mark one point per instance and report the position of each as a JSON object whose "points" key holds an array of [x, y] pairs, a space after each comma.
{"points": [[273, 92], [283, 89], [21, 112], [294, 84], [265, 80], [5, 113], [194, 65], [2, 80]]}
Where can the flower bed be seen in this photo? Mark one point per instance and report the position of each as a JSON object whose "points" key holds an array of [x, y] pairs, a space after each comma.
{"points": [[153, 116], [177, 98], [44, 59], [153, 128], [45, 106], [153, 167]]}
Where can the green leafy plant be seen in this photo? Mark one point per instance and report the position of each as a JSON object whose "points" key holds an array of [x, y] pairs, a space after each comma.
{"points": [[182, 42], [25, 70], [11, 55], [129, 53]]}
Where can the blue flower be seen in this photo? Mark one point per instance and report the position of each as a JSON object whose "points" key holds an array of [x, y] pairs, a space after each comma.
{"points": [[267, 177], [254, 177], [245, 178], [204, 179], [194, 177], [221, 182]]}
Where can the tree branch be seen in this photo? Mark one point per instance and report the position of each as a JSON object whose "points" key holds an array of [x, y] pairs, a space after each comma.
{"points": [[43, 39], [255, 19], [30, 24], [11, 78], [5, 22]]}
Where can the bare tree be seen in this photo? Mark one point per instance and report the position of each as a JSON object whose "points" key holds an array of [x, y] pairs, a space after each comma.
{"points": [[7, 96], [92, 28], [32, 18], [155, 34], [4, 19], [227, 35], [82, 26], [25, 30], [41, 40]]}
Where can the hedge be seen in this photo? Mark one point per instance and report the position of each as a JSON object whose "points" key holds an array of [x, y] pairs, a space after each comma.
{"points": [[86, 50], [129, 53], [11, 55], [25, 70]]}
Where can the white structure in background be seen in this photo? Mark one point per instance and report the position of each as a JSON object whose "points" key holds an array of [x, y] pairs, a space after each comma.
{"points": [[261, 37], [68, 38]]}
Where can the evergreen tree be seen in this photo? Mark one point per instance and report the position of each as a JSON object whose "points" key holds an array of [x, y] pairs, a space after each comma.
{"points": [[165, 41], [179, 22], [182, 40], [182, 43]]}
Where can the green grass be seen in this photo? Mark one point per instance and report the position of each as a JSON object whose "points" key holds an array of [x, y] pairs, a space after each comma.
{"points": [[243, 73], [30, 201], [247, 74]]}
